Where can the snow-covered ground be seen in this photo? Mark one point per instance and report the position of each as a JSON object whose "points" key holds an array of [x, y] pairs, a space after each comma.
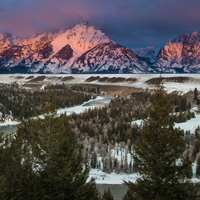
{"points": [[112, 178], [194, 80], [189, 125], [117, 179], [79, 109], [8, 121]]}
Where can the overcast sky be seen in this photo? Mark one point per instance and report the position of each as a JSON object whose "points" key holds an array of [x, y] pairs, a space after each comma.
{"points": [[131, 23]]}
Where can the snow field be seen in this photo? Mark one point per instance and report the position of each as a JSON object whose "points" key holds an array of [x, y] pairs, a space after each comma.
{"points": [[78, 109], [112, 178], [8, 121]]}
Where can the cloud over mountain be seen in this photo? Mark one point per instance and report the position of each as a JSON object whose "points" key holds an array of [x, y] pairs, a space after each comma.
{"points": [[138, 23]]}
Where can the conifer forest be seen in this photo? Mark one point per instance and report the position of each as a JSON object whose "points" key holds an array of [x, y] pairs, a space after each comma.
{"points": [[50, 157]]}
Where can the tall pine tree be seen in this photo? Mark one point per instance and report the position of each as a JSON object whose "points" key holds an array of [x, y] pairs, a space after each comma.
{"points": [[16, 168], [57, 156], [107, 195], [158, 156], [195, 94], [43, 160]]}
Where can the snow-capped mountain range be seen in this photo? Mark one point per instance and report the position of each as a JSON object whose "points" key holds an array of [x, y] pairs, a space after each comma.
{"points": [[83, 49], [180, 55]]}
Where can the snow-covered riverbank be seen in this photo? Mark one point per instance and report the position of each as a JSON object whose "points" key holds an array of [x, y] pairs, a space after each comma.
{"points": [[112, 178], [117, 179], [9, 121], [189, 125], [91, 104]]}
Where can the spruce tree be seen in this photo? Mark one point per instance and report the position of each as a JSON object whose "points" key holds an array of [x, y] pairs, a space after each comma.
{"points": [[198, 168], [107, 195], [16, 167], [158, 155], [128, 195], [93, 160], [57, 156], [3, 188], [195, 94]]}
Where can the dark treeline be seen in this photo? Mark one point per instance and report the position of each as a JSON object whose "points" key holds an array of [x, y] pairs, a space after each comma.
{"points": [[24, 103], [86, 89]]}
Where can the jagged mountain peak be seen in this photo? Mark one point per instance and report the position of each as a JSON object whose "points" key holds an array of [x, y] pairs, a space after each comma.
{"points": [[84, 29], [169, 42], [81, 37], [5, 35], [84, 23], [56, 32], [180, 55], [79, 49], [193, 35], [7, 40], [188, 36], [37, 36], [84, 26], [196, 33]]}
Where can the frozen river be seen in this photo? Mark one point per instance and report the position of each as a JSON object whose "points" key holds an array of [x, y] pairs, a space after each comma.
{"points": [[99, 102], [8, 129], [118, 191]]}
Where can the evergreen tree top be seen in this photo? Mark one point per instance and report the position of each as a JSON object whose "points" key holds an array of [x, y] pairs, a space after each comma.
{"points": [[158, 155], [49, 101]]}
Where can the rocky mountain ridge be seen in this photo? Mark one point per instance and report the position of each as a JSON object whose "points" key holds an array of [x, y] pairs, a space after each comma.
{"points": [[83, 49], [182, 55]]}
